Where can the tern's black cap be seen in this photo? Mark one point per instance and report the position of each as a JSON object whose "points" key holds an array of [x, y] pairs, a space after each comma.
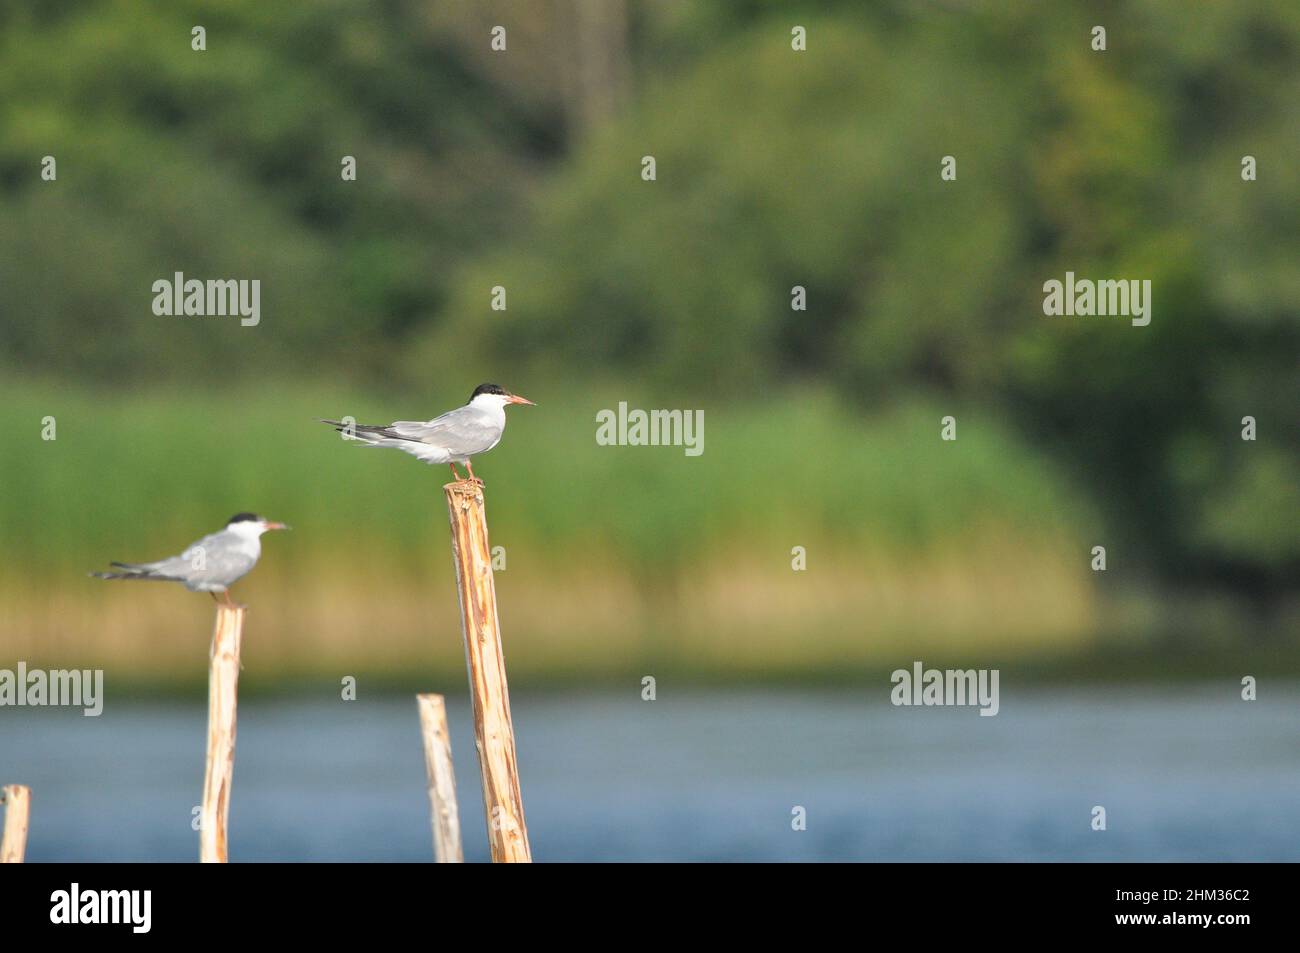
{"points": [[488, 389], [244, 518]]}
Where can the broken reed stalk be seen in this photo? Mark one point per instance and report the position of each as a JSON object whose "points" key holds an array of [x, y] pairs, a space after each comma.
{"points": [[223, 681], [17, 799], [502, 802], [442, 779]]}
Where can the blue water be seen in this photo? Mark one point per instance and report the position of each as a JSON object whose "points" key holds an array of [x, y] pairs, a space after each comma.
{"points": [[1185, 773]]}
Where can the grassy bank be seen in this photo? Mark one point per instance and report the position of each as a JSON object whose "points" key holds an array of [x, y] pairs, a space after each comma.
{"points": [[616, 557]]}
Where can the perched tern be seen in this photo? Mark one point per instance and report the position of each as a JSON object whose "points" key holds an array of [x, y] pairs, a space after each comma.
{"points": [[452, 438], [212, 564]]}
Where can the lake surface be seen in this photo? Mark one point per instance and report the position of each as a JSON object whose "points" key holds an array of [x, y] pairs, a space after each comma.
{"points": [[1184, 773]]}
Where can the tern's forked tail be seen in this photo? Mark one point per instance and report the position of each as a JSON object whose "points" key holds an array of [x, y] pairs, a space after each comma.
{"points": [[128, 571]]}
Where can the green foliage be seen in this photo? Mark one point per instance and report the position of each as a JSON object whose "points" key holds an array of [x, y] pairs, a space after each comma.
{"points": [[821, 169], [775, 169], [165, 467], [226, 163]]}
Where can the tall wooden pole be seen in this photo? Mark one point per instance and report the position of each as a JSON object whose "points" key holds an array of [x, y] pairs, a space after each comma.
{"points": [[502, 802], [17, 800], [223, 682], [442, 779]]}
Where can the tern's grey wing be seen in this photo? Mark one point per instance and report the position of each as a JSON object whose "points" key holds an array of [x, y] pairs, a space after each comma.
{"points": [[173, 565], [216, 559], [463, 431]]}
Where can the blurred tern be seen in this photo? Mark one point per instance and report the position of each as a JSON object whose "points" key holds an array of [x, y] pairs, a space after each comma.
{"points": [[452, 438], [213, 564]]}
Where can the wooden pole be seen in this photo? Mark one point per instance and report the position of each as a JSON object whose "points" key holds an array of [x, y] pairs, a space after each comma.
{"points": [[442, 779], [223, 681], [502, 802], [17, 799]]}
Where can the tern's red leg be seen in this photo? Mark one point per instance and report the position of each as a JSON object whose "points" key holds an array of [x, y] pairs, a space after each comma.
{"points": [[472, 478], [454, 475]]}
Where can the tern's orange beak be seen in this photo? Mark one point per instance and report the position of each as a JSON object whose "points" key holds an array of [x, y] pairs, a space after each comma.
{"points": [[516, 399], [273, 525]]}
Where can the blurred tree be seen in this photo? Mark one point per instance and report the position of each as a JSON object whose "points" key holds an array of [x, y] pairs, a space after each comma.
{"points": [[822, 169], [226, 163], [775, 169]]}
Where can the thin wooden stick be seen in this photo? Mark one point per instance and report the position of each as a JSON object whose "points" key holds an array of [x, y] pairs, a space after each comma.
{"points": [[223, 682], [442, 779], [17, 799], [502, 802]]}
